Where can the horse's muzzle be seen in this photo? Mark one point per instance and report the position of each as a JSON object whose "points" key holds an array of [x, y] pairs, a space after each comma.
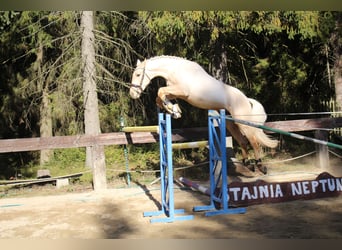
{"points": [[134, 93]]}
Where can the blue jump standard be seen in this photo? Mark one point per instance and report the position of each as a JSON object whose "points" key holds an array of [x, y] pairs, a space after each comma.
{"points": [[217, 154], [166, 173], [217, 158]]}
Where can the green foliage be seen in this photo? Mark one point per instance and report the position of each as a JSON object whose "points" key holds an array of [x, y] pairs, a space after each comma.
{"points": [[6, 18], [64, 157], [277, 57]]}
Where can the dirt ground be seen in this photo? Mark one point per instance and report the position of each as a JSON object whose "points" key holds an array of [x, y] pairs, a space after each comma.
{"points": [[118, 213]]}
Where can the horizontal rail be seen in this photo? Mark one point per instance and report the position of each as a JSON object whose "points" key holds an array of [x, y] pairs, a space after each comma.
{"points": [[41, 180], [294, 135], [306, 124], [188, 145], [154, 129], [105, 139], [122, 138]]}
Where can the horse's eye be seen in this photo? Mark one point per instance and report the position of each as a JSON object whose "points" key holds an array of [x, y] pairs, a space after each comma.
{"points": [[138, 74]]}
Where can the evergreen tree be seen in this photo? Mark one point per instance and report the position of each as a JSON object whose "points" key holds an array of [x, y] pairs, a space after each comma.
{"points": [[276, 57]]}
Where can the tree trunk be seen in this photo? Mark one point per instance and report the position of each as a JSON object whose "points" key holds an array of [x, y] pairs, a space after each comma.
{"points": [[220, 66], [338, 81], [45, 125], [95, 156], [337, 68]]}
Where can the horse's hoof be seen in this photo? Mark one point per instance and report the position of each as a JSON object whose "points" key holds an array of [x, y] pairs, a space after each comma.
{"points": [[176, 108], [176, 115]]}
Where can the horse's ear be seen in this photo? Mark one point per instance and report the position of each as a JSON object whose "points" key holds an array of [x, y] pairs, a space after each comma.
{"points": [[140, 62]]}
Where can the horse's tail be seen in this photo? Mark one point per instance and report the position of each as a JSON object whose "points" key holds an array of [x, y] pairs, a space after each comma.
{"points": [[265, 140], [260, 117]]}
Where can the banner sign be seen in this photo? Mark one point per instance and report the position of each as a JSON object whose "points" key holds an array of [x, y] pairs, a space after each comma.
{"points": [[242, 194]]}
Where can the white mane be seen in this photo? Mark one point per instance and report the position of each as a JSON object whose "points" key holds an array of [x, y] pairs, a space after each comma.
{"points": [[167, 57], [154, 60]]}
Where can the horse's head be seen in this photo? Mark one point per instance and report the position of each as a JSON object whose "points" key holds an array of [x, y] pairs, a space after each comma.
{"points": [[139, 80]]}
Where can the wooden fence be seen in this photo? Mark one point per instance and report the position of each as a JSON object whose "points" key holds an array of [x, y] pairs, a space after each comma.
{"points": [[122, 138], [178, 135]]}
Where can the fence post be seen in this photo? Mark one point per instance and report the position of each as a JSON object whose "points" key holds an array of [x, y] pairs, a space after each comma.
{"points": [[322, 151]]}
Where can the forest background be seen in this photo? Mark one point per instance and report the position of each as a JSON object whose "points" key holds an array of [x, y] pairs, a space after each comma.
{"points": [[291, 61]]}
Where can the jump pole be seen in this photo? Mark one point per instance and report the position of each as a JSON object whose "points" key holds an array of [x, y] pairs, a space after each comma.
{"points": [[294, 135], [190, 145], [217, 158], [141, 129], [166, 176]]}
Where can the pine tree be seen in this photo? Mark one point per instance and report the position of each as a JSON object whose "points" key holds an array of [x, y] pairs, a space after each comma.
{"points": [[95, 156]]}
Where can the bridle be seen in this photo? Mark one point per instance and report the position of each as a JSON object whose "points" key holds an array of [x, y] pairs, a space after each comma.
{"points": [[139, 86]]}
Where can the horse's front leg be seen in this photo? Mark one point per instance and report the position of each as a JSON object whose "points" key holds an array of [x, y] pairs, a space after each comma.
{"points": [[170, 107], [163, 100]]}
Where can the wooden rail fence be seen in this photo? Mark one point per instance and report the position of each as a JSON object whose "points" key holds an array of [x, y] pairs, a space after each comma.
{"points": [[122, 138], [178, 135]]}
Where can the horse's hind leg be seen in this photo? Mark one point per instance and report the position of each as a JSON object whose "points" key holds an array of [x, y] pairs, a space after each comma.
{"points": [[257, 154], [241, 140]]}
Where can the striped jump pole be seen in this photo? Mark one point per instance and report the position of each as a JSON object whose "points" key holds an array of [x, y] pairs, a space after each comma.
{"points": [[202, 189], [294, 135], [189, 145], [166, 176]]}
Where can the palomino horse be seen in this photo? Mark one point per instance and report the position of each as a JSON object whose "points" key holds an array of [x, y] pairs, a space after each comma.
{"points": [[188, 81]]}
